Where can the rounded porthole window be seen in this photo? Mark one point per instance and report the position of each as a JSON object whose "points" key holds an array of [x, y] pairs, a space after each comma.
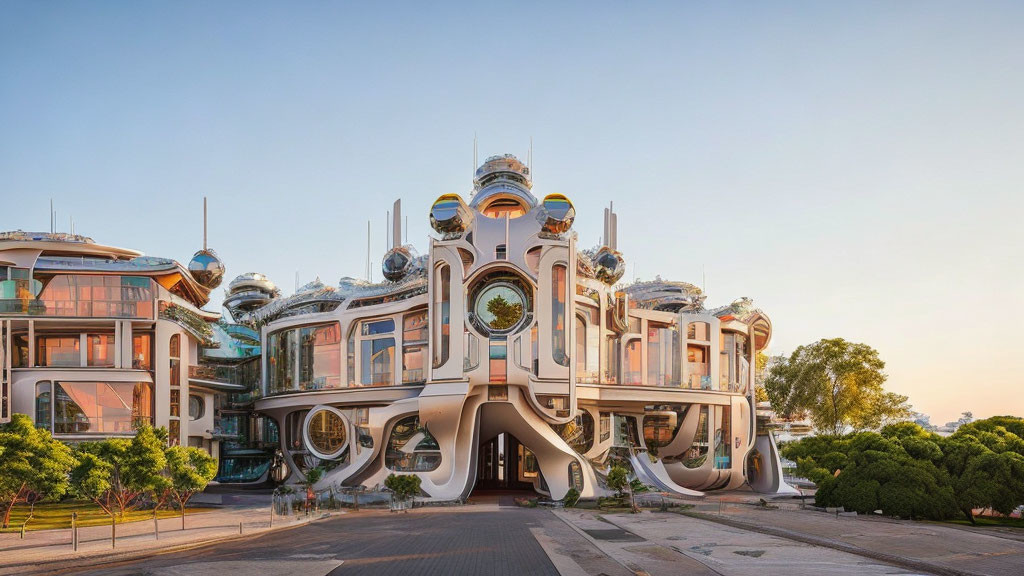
{"points": [[500, 303], [196, 407], [500, 307], [325, 432]]}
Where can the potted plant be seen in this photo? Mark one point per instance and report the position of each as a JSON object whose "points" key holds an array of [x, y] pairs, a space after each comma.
{"points": [[402, 488]]}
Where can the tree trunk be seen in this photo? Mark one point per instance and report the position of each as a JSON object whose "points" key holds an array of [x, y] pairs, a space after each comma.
{"points": [[10, 506], [7, 513], [182, 515], [969, 513]]}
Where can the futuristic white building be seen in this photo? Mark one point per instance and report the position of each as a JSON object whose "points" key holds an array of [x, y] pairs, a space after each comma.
{"points": [[96, 340], [506, 356]]}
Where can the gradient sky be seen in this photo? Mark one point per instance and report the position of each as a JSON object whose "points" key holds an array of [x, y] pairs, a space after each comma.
{"points": [[856, 169]]}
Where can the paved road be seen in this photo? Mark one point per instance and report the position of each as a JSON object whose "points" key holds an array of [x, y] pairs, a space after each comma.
{"points": [[442, 541], [496, 540]]}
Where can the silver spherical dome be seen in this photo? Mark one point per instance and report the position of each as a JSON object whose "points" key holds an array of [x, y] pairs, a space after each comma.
{"points": [[609, 265], [207, 269], [397, 262], [558, 214], [450, 215]]}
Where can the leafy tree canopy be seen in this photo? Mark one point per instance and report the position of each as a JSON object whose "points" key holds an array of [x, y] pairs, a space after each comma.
{"points": [[33, 466], [838, 383], [115, 473], [909, 472]]}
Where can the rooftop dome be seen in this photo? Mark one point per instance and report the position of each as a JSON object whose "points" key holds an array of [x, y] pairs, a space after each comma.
{"points": [[501, 187], [207, 269], [505, 166]]}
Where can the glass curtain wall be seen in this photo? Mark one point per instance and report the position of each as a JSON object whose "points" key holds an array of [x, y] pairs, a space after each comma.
{"points": [[304, 358], [663, 355], [94, 407]]}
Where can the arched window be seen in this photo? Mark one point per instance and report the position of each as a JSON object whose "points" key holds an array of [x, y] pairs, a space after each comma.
{"points": [[411, 448], [558, 328], [501, 207], [698, 452], [43, 406], [723, 437], [631, 366], [442, 314], [175, 355], [174, 424], [581, 349]]}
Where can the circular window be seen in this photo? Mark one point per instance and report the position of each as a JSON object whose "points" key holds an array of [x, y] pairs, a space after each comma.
{"points": [[500, 307], [326, 432]]}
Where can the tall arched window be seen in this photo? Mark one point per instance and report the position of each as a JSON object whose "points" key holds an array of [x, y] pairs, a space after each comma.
{"points": [[631, 367], [174, 424], [581, 350], [697, 454], [442, 314], [558, 329]]}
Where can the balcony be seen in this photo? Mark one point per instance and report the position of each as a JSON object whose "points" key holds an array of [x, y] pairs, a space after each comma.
{"points": [[226, 378]]}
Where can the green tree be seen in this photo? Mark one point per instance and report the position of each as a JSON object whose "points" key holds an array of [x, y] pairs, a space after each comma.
{"points": [[506, 314], [33, 466], [761, 364], [189, 470], [838, 383], [618, 480], [909, 472], [117, 472]]}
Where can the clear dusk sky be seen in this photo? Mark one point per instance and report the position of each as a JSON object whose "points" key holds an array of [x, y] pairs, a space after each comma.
{"points": [[855, 169]]}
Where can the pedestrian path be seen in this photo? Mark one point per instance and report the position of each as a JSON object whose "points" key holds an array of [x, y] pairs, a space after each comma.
{"points": [[46, 549]]}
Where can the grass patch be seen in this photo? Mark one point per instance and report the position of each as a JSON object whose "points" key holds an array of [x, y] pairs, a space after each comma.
{"points": [[985, 521], [58, 515]]}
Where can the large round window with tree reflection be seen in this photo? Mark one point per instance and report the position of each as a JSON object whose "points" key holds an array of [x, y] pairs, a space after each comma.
{"points": [[326, 432], [500, 304]]}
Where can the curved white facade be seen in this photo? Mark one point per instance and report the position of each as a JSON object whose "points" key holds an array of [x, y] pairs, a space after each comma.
{"points": [[507, 357]]}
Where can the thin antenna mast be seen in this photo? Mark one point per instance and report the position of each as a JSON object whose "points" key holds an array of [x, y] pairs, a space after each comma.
{"points": [[204, 227], [529, 158]]}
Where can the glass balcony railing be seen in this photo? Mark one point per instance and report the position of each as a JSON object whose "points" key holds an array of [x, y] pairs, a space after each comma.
{"points": [[245, 374]]}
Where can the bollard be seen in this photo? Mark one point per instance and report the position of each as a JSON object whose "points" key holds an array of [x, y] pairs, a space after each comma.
{"points": [[239, 527], [74, 531], [113, 532]]}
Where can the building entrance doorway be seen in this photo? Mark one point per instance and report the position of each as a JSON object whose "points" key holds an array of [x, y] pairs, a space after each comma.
{"points": [[503, 463]]}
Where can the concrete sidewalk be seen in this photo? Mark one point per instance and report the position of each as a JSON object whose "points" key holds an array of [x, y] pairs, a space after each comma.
{"points": [[50, 550], [935, 547]]}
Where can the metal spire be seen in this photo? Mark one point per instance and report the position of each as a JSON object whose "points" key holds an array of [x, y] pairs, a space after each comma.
{"points": [[204, 222]]}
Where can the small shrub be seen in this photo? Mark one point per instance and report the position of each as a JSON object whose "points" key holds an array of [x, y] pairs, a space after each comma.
{"points": [[571, 498], [404, 485]]}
